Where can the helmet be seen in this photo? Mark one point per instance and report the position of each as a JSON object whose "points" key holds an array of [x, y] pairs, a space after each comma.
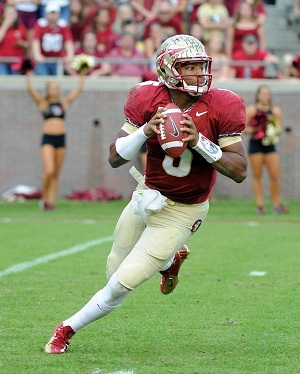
{"points": [[180, 49]]}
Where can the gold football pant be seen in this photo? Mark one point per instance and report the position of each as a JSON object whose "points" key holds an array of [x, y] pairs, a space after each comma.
{"points": [[142, 247]]}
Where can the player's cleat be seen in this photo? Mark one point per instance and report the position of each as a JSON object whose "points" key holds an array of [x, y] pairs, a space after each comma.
{"points": [[60, 340], [170, 278]]}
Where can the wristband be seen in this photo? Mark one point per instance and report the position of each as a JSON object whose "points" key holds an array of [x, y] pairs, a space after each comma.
{"points": [[128, 146], [207, 149]]}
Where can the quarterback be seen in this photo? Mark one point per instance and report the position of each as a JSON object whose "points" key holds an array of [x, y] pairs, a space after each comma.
{"points": [[171, 201]]}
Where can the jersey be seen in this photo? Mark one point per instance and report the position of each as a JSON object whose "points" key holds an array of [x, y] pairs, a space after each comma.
{"points": [[54, 110], [52, 37], [189, 178]]}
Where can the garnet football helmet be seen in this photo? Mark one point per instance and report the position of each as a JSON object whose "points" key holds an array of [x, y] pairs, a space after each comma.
{"points": [[183, 49]]}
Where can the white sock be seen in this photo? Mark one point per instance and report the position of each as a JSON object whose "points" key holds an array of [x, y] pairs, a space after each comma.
{"points": [[168, 264], [101, 304]]}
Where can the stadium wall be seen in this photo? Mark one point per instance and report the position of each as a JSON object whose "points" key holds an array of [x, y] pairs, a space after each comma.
{"points": [[94, 119]]}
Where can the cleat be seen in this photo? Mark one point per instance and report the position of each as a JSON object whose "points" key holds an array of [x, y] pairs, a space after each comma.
{"points": [[60, 340], [170, 278]]}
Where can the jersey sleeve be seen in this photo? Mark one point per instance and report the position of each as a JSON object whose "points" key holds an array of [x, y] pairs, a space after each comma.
{"points": [[232, 115]]}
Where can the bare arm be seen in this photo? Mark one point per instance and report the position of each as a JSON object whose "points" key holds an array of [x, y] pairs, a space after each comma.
{"points": [[69, 48], [32, 91], [36, 51], [75, 93], [233, 163]]}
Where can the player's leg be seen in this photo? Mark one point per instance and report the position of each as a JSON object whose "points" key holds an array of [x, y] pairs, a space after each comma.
{"points": [[102, 303], [126, 234], [163, 237], [170, 272]]}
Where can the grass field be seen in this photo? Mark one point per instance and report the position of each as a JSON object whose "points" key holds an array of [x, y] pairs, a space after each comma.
{"points": [[235, 311]]}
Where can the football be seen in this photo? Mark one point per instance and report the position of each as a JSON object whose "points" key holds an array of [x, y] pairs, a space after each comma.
{"points": [[170, 136]]}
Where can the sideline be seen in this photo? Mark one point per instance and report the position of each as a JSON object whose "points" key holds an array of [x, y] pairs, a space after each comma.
{"points": [[53, 256]]}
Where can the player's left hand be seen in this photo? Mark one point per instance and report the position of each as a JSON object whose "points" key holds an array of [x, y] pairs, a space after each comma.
{"points": [[189, 127], [152, 126]]}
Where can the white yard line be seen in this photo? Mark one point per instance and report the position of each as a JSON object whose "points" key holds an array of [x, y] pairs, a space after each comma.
{"points": [[22, 266]]}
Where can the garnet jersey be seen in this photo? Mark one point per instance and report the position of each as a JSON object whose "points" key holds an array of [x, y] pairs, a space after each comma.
{"points": [[52, 37], [189, 178]]}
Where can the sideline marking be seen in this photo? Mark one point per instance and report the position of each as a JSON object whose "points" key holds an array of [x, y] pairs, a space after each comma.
{"points": [[53, 256]]}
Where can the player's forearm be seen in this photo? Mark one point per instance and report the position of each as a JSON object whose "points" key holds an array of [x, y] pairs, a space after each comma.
{"points": [[114, 158], [232, 165]]}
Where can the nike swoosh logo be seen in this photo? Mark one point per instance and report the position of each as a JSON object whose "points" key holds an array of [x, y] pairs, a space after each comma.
{"points": [[176, 132], [200, 114]]}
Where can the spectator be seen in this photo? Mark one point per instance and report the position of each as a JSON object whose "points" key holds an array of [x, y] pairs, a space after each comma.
{"points": [[179, 8], [76, 24], [112, 10], [153, 42], [124, 12], [244, 23], [89, 48], [255, 57], [263, 124], [52, 39], [192, 9], [89, 10], [145, 10], [231, 6], [213, 17], [106, 38], [64, 8], [258, 6], [216, 50], [13, 41], [260, 11], [131, 26], [27, 11], [196, 30], [165, 18], [126, 52]]}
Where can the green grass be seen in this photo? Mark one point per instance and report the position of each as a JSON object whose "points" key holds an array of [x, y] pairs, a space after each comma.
{"points": [[220, 319]]}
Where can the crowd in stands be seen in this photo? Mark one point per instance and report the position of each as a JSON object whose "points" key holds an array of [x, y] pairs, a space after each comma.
{"points": [[123, 36]]}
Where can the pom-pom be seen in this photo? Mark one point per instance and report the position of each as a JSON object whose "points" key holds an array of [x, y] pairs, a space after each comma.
{"points": [[83, 63]]}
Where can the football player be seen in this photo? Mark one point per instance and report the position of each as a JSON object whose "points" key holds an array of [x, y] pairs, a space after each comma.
{"points": [[172, 202]]}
